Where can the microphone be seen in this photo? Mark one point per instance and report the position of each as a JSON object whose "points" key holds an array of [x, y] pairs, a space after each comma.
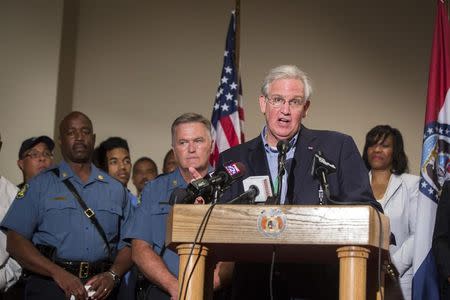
{"points": [[181, 196], [209, 185], [225, 175], [283, 148], [263, 185], [321, 168], [321, 164], [250, 194]]}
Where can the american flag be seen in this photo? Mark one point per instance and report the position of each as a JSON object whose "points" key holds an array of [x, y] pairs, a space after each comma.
{"points": [[435, 165], [228, 115]]}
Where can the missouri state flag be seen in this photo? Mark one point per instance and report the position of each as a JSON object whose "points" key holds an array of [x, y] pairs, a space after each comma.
{"points": [[435, 159]]}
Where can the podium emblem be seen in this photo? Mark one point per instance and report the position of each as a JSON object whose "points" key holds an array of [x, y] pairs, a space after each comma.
{"points": [[271, 222]]}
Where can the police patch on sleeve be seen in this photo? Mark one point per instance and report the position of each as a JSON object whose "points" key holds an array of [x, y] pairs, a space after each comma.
{"points": [[21, 193]]}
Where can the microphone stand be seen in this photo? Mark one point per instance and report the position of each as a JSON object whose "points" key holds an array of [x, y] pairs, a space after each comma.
{"points": [[216, 192], [281, 171], [322, 176]]}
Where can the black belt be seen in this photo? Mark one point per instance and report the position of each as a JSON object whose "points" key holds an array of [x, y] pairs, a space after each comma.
{"points": [[84, 269], [81, 269]]}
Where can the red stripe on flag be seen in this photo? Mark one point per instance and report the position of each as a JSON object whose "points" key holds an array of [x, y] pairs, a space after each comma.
{"points": [[214, 157], [228, 129], [439, 79]]}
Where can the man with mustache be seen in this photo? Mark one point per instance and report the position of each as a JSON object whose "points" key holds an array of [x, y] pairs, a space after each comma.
{"points": [[68, 249], [144, 170], [285, 99]]}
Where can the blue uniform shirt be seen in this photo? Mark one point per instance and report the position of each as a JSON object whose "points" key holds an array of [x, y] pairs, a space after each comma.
{"points": [[149, 221], [134, 199], [47, 213]]}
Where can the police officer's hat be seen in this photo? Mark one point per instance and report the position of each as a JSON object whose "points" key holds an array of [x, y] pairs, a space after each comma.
{"points": [[33, 141]]}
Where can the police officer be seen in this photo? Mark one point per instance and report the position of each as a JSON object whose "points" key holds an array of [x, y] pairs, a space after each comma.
{"points": [[50, 234], [192, 145], [113, 157], [35, 155]]}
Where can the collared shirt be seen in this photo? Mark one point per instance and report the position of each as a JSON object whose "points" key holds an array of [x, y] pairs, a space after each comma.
{"points": [[149, 221], [10, 270], [272, 159], [47, 213], [135, 201]]}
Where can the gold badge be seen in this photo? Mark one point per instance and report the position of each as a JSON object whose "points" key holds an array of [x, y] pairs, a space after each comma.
{"points": [[100, 177], [21, 193], [174, 182], [64, 174]]}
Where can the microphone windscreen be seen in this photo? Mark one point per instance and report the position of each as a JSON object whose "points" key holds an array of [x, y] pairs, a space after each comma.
{"points": [[283, 146], [263, 185], [254, 191], [179, 196], [235, 170]]}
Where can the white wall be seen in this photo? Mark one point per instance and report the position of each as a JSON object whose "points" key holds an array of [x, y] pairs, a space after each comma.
{"points": [[29, 54], [138, 65]]}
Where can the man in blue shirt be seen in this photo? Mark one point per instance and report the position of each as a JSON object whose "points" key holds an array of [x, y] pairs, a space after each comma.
{"points": [[113, 157], [192, 145], [144, 169], [52, 236]]}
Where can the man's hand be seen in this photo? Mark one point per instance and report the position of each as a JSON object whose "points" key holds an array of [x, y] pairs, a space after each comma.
{"points": [[70, 284], [102, 284], [223, 273], [196, 175], [173, 290]]}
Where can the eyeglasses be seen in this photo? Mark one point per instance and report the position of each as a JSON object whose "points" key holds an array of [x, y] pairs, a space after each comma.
{"points": [[37, 154], [278, 101]]}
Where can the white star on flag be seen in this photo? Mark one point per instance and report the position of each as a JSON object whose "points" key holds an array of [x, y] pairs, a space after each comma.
{"points": [[224, 79], [225, 107]]}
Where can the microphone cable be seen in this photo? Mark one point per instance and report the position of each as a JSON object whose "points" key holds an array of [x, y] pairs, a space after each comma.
{"points": [[272, 266], [198, 237]]}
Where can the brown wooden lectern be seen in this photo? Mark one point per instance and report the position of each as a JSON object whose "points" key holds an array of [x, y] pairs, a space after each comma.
{"points": [[298, 233]]}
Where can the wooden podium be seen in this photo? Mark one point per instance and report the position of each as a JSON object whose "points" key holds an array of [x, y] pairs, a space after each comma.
{"points": [[299, 234]]}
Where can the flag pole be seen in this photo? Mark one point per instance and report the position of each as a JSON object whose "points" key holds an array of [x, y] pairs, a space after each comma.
{"points": [[237, 44]]}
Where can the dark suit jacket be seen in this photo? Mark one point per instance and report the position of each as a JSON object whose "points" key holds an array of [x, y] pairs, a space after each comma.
{"points": [[350, 183], [441, 240]]}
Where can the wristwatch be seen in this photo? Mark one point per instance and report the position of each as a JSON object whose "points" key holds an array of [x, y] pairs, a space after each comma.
{"points": [[114, 276]]}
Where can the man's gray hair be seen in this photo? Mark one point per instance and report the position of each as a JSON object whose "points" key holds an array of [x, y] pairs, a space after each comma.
{"points": [[287, 72], [191, 118]]}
